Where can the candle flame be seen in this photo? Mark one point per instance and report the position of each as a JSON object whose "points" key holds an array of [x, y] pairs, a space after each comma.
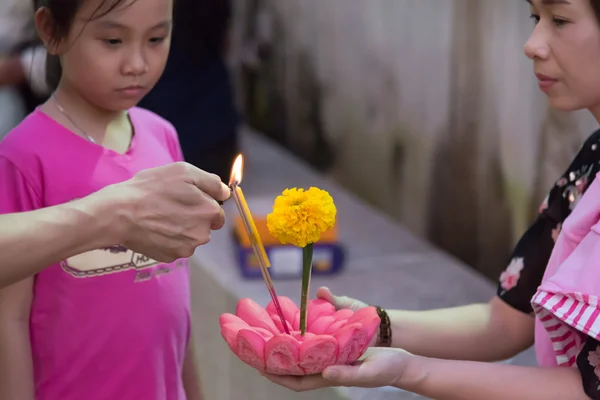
{"points": [[237, 171]]}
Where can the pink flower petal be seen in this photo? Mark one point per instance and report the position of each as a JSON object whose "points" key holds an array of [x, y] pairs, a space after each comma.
{"points": [[230, 318], [281, 354], [266, 334], [255, 315], [288, 307], [317, 353], [319, 327], [251, 348], [316, 309], [352, 340], [296, 323], [369, 319], [277, 322], [336, 326], [229, 331], [343, 314]]}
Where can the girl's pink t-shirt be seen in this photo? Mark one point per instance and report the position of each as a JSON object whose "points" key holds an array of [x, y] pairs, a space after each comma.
{"points": [[566, 303], [110, 323]]}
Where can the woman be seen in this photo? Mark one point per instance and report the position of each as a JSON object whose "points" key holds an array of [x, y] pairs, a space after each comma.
{"points": [[548, 294]]}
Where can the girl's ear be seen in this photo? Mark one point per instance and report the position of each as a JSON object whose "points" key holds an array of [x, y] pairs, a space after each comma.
{"points": [[44, 24]]}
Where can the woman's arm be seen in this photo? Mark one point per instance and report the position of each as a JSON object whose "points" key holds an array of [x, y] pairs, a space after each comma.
{"points": [[480, 332], [465, 380], [503, 327], [16, 364]]}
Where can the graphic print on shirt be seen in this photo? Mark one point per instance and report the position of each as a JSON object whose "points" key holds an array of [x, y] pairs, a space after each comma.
{"points": [[112, 260]]}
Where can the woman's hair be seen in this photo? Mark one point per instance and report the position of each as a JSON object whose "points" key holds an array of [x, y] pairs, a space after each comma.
{"points": [[63, 14]]}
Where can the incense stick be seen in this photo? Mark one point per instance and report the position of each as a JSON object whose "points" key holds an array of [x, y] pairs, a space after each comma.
{"points": [[258, 248]]}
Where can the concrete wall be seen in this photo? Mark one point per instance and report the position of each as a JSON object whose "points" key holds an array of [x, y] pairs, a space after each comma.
{"points": [[427, 109]]}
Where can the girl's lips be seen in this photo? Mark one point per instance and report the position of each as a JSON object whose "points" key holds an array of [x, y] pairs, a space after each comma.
{"points": [[132, 91]]}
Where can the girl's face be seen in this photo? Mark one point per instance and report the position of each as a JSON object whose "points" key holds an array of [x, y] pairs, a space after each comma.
{"points": [[114, 61], [565, 49]]}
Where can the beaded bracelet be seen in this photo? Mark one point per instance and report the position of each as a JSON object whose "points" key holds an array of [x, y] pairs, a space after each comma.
{"points": [[385, 329]]}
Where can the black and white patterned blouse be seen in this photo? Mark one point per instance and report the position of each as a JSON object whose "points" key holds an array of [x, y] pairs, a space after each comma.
{"points": [[525, 270]]}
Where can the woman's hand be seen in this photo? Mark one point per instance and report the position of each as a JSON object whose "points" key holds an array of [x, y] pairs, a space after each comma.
{"points": [[340, 302], [344, 302], [377, 368]]}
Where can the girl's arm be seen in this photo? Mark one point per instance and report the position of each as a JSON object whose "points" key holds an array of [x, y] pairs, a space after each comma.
{"points": [[480, 332], [465, 380], [16, 364], [191, 375]]}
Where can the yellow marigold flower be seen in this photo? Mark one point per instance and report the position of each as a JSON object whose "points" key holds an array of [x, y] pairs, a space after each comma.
{"points": [[299, 217]]}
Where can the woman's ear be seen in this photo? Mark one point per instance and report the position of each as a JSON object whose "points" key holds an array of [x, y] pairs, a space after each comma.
{"points": [[44, 24]]}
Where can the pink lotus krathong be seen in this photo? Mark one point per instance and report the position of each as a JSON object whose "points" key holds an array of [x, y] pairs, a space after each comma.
{"points": [[257, 337]]}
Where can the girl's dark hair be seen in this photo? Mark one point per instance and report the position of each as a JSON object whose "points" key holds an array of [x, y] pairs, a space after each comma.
{"points": [[63, 14], [596, 6]]}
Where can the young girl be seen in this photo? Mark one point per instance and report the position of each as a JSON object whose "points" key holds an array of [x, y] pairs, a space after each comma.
{"points": [[107, 324], [549, 293]]}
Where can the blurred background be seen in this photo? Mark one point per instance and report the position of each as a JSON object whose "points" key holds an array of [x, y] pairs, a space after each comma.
{"points": [[429, 110]]}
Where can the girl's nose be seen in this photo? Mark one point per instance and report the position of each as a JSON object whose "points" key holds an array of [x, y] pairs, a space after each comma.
{"points": [[136, 64]]}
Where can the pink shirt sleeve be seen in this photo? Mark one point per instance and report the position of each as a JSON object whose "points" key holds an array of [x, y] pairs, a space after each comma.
{"points": [[173, 143], [568, 302], [16, 193]]}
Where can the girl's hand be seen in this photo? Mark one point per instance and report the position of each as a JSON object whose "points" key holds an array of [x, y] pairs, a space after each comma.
{"points": [[377, 368]]}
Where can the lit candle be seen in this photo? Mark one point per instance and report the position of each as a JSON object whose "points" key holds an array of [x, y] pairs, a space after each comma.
{"points": [[250, 226]]}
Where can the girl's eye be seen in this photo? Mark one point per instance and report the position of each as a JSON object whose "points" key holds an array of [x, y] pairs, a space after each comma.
{"points": [[112, 42], [157, 40]]}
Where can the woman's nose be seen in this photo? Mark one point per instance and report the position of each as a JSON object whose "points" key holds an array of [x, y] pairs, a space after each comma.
{"points": [[536, 46]]}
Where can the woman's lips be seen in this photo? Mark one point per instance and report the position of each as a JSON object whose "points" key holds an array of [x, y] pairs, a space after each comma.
{"points": [[545, 82]]}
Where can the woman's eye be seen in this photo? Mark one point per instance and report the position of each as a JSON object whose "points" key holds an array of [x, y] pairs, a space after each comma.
{"points": [[535, 18], [556, 21], [559, 22]]}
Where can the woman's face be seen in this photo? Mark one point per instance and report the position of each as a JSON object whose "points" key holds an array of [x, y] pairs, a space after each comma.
{"points": [[565, 49]]}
